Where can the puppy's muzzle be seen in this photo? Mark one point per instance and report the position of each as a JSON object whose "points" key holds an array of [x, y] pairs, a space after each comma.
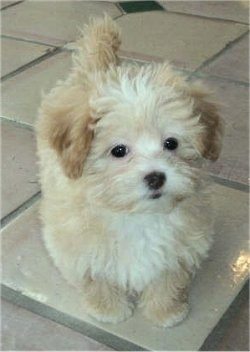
{"points": [[155, 180]]}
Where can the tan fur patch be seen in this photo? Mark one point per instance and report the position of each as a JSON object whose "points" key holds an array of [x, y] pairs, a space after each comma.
{"points": [[64, 121], [210, 141]]}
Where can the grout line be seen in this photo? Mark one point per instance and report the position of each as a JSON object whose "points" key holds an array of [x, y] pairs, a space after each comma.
{"points": [[203, 17], [11, 5], [75, 324], [214, 337], [228, 46], [243, 187], [4, 36], [50, 53], [19, 210], [199, 74], [16, 123], [134, 56], [147, 59]]}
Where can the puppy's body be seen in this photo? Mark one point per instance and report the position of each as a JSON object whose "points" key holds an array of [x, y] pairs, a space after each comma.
{"points": [[124, 207], [129, 250]]}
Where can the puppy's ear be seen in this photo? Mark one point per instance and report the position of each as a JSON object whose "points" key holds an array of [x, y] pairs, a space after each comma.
{"points": [[71, 137], [65, 123], [210, 140]]}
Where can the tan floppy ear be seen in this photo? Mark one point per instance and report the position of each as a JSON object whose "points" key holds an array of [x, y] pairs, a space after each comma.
{"points": [[65, 123], [71, 138], [210, 141]]}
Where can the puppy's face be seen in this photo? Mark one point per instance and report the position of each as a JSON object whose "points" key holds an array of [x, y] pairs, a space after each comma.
{"points": [[146, 143], [136, 138]]}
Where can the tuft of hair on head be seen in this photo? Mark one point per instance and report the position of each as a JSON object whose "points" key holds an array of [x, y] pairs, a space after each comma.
{"points": [[97, 48]]}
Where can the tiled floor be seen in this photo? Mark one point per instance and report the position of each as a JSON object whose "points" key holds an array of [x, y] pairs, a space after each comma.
{"points": [[39, 334], [206, 39]]}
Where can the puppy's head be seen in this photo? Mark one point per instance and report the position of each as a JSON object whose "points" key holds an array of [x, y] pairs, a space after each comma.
{"points": [[153, 130], [136, 135]]}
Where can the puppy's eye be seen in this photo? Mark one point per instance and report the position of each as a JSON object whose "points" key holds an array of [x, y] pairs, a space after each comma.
{"points": [[119, 151], [170, 143]]}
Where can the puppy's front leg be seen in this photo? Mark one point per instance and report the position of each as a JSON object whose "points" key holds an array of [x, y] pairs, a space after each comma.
{"points": [[164, 300], [105, 302]]}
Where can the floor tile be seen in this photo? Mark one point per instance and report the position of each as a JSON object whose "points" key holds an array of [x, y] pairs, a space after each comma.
{"points": [[215, 286], [228, 10], [21, 94], [233, 162], [174, 37], [233, 63], [19, 167], [17, 53], [52, 22], [25, 331]]}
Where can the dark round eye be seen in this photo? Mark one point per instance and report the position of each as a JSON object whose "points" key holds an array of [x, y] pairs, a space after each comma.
{"points": [[170, 143], [119, 151]]}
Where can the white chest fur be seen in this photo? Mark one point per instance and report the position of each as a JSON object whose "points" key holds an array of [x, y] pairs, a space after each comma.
{"points": [[140, 247]]}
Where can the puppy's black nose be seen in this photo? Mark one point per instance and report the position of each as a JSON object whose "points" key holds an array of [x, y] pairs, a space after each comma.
{"points": [[155, 180]]}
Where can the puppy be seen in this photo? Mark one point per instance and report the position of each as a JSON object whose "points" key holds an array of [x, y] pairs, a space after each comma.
{"points": [[124, 207]]}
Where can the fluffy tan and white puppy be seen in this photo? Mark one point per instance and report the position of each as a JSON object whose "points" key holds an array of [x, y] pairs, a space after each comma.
{"points": [[124, 207]]}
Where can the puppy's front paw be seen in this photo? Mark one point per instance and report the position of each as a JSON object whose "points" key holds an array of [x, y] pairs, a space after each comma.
{"points": [[105, 302], [164, 300], [167, 316], [109, 311]]}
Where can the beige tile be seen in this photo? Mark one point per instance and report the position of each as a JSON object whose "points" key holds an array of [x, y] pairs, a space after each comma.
{"points": [[17, 53], [214, 288], [229, 10], [175, 37], [52, 22], [19, 168], [25, 331], [21, 94], [233, 63], [233, 163]]}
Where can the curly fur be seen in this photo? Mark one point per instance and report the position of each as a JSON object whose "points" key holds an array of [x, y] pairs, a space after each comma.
{"points": [[103, 226]]}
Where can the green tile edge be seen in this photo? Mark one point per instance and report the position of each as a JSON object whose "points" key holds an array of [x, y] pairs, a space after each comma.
{"points": [[86, 329], [214, 338], [139, 6]]}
